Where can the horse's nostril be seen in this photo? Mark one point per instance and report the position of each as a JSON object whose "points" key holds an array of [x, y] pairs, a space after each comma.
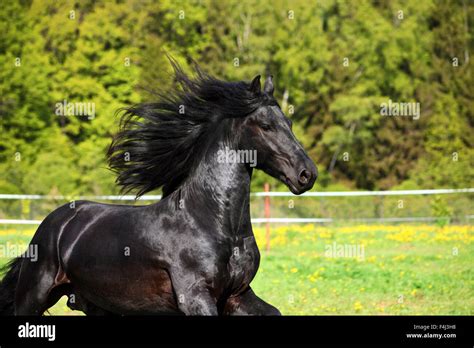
{"points": [[304, 177]]}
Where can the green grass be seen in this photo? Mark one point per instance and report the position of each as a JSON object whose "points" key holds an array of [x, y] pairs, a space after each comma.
{"points": [[406, 270], [415, 276]]}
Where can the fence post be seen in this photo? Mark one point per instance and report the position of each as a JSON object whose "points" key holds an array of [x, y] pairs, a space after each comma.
{"points": [[266, 188]]}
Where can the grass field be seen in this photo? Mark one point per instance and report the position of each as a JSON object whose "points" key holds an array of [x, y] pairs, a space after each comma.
{"points": [[364, 269]]}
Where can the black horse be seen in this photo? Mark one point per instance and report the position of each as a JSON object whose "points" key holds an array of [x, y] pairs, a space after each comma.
{"points": [[194, 251]]}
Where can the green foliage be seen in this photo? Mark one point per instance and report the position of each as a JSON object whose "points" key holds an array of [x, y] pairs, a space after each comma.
{"points": [[441, 210], [334, 63]]}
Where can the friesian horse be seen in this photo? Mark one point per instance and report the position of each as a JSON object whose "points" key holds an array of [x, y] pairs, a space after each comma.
{"points": [[193, 252]]}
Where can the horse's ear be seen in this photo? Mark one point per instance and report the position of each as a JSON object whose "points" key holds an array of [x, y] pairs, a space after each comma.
{"points": [[268, 87], [255, 86]]}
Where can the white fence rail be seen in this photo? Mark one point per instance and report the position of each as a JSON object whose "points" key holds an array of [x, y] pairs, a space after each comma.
{"points": [[19, 222], [259, 194], [282, 220], [368, 193]]}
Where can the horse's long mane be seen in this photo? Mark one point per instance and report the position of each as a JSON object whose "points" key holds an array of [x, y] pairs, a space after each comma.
{"points": [[160, 142]]}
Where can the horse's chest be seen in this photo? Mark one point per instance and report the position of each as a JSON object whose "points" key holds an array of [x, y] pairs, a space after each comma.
{"points": [[243, 263]]}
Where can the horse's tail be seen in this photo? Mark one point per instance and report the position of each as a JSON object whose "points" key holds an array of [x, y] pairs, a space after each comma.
{"points": [[8, 286]]}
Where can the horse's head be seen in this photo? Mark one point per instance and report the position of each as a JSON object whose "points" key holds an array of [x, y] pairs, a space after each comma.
{"points": [[268, 131], [169, 138]]}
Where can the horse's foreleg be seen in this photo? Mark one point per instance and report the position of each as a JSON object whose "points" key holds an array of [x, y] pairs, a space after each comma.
{"points": [[248, 303], [193, 298], [77, 302], [196, 302]]}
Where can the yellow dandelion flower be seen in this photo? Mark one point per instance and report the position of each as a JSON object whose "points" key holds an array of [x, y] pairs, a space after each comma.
{"points": [[372, 259], [358, 306], [399, 258]]}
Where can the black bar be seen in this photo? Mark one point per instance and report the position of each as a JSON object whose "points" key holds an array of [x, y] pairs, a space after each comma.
{"points": [[346, 330]]}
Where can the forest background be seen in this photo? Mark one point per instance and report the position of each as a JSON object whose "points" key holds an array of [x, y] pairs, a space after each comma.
{"points": [[334, 64]]}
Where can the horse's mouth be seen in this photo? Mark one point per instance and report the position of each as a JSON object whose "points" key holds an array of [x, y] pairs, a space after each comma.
{"points": [[292, 186]]}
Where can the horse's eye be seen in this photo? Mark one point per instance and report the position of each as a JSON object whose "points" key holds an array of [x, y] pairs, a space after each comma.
{"points": [[265, 126]]}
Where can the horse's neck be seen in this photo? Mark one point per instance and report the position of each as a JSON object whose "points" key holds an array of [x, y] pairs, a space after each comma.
{"points": [[224, 189]]}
